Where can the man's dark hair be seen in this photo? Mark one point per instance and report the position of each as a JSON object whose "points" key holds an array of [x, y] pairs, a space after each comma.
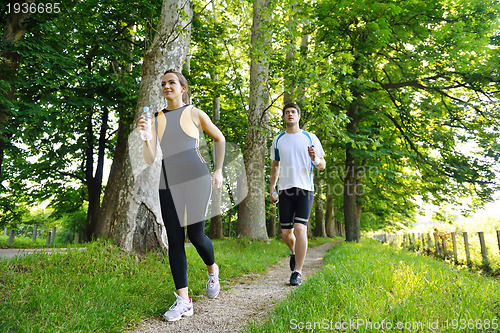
{"points": [[291, 105]]}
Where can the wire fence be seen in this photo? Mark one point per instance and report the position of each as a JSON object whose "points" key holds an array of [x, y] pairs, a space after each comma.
{"points": [[479, 249]]}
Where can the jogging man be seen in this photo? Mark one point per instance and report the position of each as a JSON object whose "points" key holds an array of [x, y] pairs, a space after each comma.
{"points": [[294, 154]]}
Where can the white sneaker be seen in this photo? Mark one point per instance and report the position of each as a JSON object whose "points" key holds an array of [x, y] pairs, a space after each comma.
{"points": [[213, 284], [181, 308]]}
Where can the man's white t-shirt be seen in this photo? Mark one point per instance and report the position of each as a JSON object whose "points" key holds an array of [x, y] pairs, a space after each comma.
{"points": [[296, 167]]}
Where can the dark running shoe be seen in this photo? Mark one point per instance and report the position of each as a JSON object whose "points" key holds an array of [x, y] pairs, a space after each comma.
{"points": [[292, 261], [295, 279]]}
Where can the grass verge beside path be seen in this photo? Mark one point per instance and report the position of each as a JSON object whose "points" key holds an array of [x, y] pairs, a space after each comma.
{"points": [[103, 289], [369, 287]]}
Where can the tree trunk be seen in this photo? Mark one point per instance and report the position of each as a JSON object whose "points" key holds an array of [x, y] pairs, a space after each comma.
{"points": [[352, 208], [14, 31], [330, 217], [271, 226], [319, 212], [116, 181], [216, 231], [94, 181], [252, 215], [131, 212], [229, 222]]}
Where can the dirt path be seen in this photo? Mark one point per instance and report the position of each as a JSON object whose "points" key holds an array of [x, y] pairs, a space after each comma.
{"points": [[14, 252], [249, 299]]}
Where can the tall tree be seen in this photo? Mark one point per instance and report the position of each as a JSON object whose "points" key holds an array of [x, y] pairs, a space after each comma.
{"points": [[216, 229], [64, 110], [131, 212], [222, 84], [13, 32], [251, 216], [417, 81]]}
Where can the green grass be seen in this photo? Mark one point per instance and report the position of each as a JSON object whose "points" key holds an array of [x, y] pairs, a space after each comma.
{"points": [[476, 257], [102, 289], [373, 284], [475, 250], [27, 242]]}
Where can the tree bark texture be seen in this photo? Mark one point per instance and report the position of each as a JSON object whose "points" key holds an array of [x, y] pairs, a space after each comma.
{"points": [[330, 217], [352, 209], [252, 215], [131, 213], [215, 230], [93, 178], [352, 181], [319, 212], [271, 225]]}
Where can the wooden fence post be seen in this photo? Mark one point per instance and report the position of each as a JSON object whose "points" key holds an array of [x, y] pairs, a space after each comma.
{"points": [[436, 242], [484, 250], [414, 242], [445, 249], [467, 253], [12, 236], [53, 236], [429, 242], [6, 231], [454, 240], [76, 238], [47, 242], [498, 239], [35, 230]]}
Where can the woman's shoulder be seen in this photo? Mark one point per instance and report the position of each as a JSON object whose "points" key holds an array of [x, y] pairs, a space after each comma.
{"points": [[196, 114]]}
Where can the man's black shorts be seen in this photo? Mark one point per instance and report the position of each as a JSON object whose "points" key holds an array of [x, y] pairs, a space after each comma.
{"points": [[294, 206]]}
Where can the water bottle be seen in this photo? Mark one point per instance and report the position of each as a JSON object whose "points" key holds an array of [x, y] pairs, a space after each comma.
{"points": [[275, 196], [147, 134]]}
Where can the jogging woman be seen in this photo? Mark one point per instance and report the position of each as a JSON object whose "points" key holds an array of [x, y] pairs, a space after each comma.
{"points": [[185, 185]]}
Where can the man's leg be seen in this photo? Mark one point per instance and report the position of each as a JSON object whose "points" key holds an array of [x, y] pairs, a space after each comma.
{"points": [[286, 215], [303, 207], [289, 238], [300, 246]]}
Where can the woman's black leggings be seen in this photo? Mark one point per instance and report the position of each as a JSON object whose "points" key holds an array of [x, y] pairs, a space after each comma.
{"points": [[175, 235]]}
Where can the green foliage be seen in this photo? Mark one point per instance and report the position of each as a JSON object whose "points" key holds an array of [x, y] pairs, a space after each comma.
{"points": [[492, 267], [67, 224], [418, 83], [218, 64], [405, 87], [78, 78]]}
